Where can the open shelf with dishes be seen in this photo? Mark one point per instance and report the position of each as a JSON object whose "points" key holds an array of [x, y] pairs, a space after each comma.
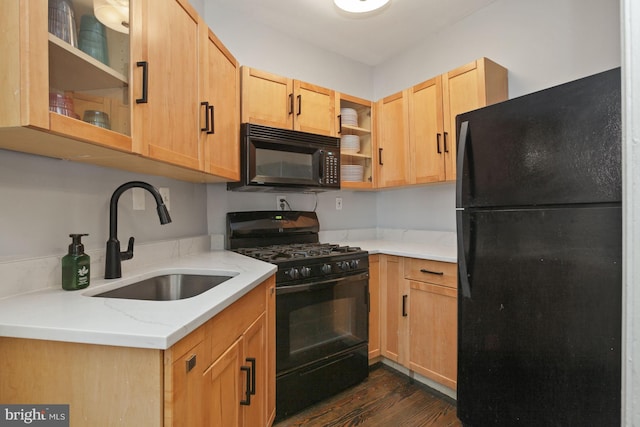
{"points": [[88, 74], [356, 143]]}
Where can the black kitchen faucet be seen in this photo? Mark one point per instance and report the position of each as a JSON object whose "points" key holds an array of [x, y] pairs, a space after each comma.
{"points": [[112, 269]]}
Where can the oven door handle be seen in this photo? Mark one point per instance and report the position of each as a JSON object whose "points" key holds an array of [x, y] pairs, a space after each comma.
{"points": [[319, 285]]}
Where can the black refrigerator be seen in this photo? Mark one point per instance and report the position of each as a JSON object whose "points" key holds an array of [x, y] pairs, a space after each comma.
{"points": [[539, 223]]}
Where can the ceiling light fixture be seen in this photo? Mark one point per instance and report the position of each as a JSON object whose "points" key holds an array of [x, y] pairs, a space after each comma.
{"points": [[360, 6], [113, 13]]}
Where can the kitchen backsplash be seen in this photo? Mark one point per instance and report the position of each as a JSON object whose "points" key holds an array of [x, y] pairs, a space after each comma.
{"points": [[33, 274]]}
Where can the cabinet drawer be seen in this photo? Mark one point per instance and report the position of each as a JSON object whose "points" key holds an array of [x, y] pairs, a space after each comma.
{"points": [[436, 272]]}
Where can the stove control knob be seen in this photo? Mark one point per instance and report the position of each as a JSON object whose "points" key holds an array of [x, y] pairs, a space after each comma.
{"points": [[305, 272], [293, 273], [354, 264], [326, 269], [344, 266]]}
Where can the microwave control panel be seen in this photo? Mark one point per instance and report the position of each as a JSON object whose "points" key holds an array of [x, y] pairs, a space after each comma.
{"points": [[331, 168]]}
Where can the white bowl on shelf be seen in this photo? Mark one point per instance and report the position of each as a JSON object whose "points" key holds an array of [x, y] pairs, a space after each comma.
{"points": [[351, 173], [350, 143], [349, 116]]}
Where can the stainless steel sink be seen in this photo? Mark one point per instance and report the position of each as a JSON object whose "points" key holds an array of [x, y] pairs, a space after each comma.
{"points": [[168, 287]]}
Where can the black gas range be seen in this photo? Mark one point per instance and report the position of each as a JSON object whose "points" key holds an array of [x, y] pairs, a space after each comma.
{"points": [[322, 304], [302, 262]]}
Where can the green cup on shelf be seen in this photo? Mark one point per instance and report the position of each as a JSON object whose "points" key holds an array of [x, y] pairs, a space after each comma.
{"points": [[92, 38]]}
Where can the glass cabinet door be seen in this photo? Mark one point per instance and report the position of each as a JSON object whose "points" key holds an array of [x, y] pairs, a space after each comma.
{"points": [[89, 72]]}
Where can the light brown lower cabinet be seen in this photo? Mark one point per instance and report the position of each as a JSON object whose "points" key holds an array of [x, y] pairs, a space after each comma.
{"points": [[374, 308], [418, 316], [200, 381]]}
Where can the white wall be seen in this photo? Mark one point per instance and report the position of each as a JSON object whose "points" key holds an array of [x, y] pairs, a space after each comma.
{"points": [[258, 46], [44, 200], [631, 212], [543, 43]]}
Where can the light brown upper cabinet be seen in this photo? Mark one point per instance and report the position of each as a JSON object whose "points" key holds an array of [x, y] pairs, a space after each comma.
{"points": [[426, 132], [357, 145], [417, 127], [393, 161], [38, 69], [167, 103], [272, 100], [187, 105], [150, 87], [472, 86], [220, 108]]}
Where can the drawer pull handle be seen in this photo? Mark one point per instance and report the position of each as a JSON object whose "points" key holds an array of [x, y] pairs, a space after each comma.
{"points": [[439, 273], [191, 363]]}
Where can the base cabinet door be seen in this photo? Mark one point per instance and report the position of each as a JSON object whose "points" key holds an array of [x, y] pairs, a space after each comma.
{"points": [[254, 366], [223, 387], [183, 394], [432, 292], [374, 307], [433, 332], [393, 329], [234, 390]]}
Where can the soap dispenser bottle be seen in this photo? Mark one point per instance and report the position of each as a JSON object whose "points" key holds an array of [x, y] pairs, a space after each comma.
{"points": [[75, 265]]}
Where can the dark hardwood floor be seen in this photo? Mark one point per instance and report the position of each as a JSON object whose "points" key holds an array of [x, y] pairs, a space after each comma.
{"points": [[385, 398]]}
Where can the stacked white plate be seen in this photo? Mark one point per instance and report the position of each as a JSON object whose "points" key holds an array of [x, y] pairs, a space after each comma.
{"points": [[350, 143], [349, 116], [351, 172]]}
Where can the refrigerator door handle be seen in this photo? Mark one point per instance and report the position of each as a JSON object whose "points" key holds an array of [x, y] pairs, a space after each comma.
{"points": [[463, 277], [462, 148]]}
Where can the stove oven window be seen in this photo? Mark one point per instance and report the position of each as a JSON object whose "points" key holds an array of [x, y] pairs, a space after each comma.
{"points": [[322, 325], [317, 323]]}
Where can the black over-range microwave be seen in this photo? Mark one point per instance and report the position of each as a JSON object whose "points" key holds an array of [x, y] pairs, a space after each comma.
{"points": [[275, 159]]}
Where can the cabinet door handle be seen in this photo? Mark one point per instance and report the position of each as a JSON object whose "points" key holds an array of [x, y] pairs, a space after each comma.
{"points": [[290, 103], [339, 123], [299, 105], [247, 393], [438, 143], [145, 81], [252, 360], [404, 306], [446, 146], [213, 123], [439, 273], [205, 104], [380, 157], [191, 363]]}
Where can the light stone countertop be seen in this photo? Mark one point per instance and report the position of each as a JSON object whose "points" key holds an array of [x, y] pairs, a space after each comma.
{"points": [[75, 316], [423, 244]]}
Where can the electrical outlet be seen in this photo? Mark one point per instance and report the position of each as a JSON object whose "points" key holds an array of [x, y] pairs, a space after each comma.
{"points": [[164, 193], [138, 198], [338, 203], [280, 206]]}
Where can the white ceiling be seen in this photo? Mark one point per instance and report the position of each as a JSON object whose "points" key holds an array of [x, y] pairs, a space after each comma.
{"points": [[370, 40]]}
